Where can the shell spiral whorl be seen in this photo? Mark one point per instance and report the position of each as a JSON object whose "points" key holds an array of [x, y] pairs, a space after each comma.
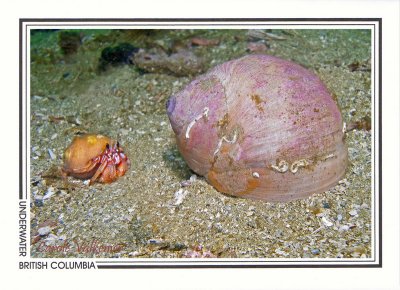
{"points": [[260, 127]]}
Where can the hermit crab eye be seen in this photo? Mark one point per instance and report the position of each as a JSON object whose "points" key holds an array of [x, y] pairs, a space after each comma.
{"points": [[117, 144], [107, 146]]}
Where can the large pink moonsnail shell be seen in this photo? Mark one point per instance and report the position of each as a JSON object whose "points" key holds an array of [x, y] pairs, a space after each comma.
{"points": [[260, 127]]}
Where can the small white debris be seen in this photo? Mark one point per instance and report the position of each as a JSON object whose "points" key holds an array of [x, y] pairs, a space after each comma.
{"points": [[340, 189], [326, 222], [185, 183], [179, 196], [86, 182], [315, 251], [49, 193], [353, 212], [134, 254], [163, 123], [61, 218], [51, 154], [192, 179], [344, 228], [317, 230], [280, 252], [54, 136], [256, 175], [250, 213], [140, 132], [44, 231]]}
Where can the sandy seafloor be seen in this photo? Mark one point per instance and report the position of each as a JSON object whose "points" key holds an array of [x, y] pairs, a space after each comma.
{"points": [[137, 216]]}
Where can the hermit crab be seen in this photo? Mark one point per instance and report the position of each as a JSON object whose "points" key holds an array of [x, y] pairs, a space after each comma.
{"points": [[95, 157]]}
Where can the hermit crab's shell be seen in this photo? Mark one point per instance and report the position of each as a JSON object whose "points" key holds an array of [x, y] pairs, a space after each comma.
{"points": [[260, 127], [78, 157]]}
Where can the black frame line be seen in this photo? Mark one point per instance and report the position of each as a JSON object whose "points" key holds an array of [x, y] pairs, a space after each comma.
{"points": [[102, 264], [108, 266], [20, 107], [199, 19]]}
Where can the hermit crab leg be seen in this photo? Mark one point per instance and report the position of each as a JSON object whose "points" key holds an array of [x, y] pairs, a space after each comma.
{"points": [[103, 164], [98, 171]]}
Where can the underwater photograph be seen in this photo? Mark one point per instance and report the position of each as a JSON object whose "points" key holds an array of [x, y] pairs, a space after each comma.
{"points": [[201, 143]]}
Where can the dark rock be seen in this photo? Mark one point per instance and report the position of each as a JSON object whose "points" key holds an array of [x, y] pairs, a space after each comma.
{"points": [[326, 205], [117, 55]]}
